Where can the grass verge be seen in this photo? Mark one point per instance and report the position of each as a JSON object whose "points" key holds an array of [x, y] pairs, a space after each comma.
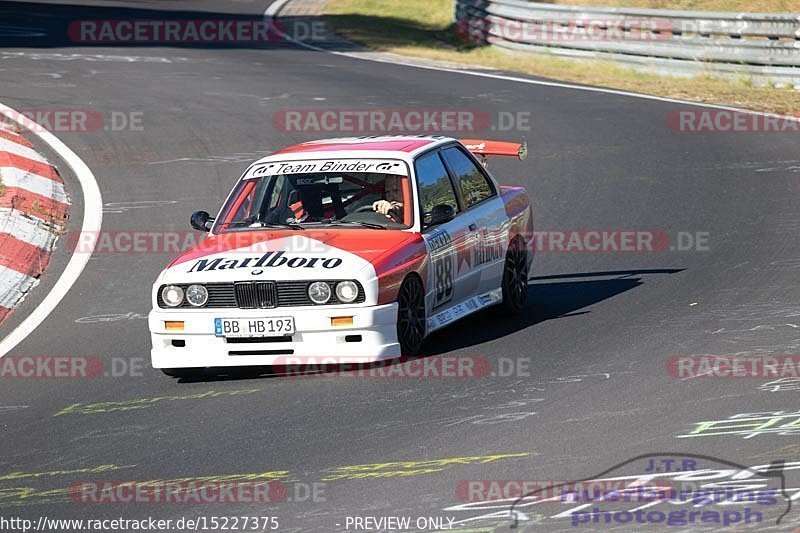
{"points": [[424, 28]]}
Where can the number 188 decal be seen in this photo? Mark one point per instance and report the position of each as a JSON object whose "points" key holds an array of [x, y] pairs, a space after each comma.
{"points": [[442, 256]]}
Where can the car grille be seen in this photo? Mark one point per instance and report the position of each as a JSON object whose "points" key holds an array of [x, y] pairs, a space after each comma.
{"points": [[256, 295], [259, 295]]}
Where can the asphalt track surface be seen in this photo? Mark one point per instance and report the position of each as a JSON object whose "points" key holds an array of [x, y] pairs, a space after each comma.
{"points": [[597, 330]]}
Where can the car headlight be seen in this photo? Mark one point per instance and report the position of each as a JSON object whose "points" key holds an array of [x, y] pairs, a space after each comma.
{"points": [[197, 295], [172, 295], [319, 292], [346, 291]]}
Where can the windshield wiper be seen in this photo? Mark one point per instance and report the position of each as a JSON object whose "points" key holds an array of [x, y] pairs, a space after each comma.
{"points": [[293, 225], [333, 222], [252, 224]]}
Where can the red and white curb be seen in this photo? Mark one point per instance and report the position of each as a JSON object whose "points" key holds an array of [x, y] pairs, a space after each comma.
{"points": [[33, 213], [92, 222]]}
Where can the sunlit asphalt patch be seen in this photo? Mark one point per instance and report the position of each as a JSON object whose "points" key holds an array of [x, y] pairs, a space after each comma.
{"points": [[143, 403], [411, 468]]}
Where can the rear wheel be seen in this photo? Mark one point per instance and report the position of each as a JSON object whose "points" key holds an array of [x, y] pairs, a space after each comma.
{"points": [[515, 278], [411, 316]]}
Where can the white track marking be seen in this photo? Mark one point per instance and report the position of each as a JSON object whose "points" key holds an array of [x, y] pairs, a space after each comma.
{"points": [[53, 56], [274, 8], [92, 222]]}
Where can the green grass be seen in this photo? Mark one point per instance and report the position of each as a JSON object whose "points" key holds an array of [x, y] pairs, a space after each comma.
{"points": [[424, 28]]}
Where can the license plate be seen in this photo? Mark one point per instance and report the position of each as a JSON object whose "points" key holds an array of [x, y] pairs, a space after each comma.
{"points": [[254, 327]]}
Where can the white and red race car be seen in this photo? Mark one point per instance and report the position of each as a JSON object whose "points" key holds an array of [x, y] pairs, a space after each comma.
{"points": [[356, 247]]}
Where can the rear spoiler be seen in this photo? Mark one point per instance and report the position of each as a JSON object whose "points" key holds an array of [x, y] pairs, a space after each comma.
{"points": [[484, 148]]}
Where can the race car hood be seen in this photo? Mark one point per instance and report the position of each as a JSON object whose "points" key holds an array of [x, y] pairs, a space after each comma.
{"points": [[345, 253]]}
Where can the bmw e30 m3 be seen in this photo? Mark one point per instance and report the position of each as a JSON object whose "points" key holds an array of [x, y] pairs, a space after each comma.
{"points": [[356, 247]]}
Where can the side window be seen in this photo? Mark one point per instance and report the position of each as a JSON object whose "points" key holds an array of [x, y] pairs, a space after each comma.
{"points": [[435, 187], [474, 185], [277, 192]]}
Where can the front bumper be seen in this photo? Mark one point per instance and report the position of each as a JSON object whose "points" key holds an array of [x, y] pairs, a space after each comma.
{"points": [[372, 337]]}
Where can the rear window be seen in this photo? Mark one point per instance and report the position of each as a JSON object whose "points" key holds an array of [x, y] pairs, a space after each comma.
{"points": [[474, 186]]}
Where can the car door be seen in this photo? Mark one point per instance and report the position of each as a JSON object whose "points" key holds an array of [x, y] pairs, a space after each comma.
{"points": [[447, 242], [485, 217]]}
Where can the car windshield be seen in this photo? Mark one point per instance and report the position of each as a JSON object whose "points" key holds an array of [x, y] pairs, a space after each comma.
{"points": [[298, 197]]}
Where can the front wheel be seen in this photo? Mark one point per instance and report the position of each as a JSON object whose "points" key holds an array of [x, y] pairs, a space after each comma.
{"points": [[515, 278], [411, 316]]}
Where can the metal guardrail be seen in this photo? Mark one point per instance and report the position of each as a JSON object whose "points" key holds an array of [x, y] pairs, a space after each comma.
{"points": [[766, 45]]}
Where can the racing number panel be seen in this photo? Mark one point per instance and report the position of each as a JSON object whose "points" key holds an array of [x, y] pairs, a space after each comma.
{"points": [[450, 243], [442, 254]]}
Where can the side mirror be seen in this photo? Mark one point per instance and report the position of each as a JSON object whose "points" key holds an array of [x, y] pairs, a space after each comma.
{"points": [[201, 221], [438, 215]]}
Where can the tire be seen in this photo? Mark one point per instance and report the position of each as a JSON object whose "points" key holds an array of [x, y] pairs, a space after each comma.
{"points": [[411, 316], [182, 372], [515, 279]]}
